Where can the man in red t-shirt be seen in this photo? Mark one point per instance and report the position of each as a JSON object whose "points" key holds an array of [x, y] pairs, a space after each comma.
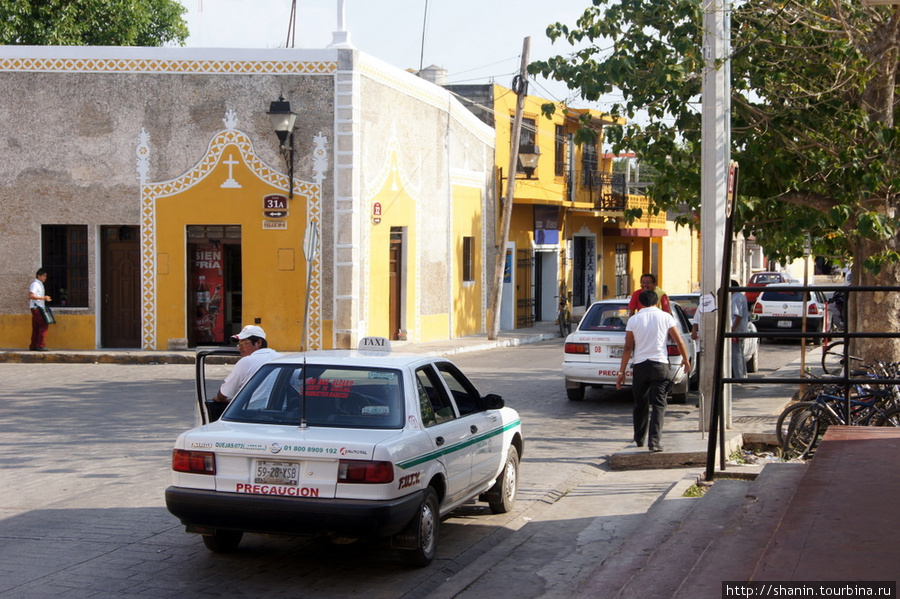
{"points": [[648, 283]]}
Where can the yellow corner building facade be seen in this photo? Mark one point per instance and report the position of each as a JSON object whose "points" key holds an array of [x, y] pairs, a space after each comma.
{"points": [[152, 187]]}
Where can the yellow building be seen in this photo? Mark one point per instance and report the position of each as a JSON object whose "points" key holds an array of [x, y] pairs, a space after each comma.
{"points": [[568, 229]]}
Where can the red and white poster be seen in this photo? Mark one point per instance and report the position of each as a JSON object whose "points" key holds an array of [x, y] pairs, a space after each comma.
{"points": [[207, 293]]}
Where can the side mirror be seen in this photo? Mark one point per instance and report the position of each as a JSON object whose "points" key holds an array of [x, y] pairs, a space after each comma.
{"points": [[492, 401]]}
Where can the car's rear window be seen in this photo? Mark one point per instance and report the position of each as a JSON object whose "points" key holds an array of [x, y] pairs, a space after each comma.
{"points": [[783, 296], [332, 396], [688, 303], [605, 318]]}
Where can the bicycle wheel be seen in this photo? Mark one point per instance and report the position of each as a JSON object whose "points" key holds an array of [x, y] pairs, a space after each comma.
{"points": [[889, 418], [805, 432], [833, 358], [565, 323], [787, 417]]}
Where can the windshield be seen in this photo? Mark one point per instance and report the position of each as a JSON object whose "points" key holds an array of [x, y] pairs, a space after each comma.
{"points": [[605, 317], [335, 396]]}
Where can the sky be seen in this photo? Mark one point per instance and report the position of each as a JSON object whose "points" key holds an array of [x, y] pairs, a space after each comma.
{"points": [[477, 41]]}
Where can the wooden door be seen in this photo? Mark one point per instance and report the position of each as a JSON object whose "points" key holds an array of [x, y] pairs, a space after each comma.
{"points": [[395, 284], [120, 284]]}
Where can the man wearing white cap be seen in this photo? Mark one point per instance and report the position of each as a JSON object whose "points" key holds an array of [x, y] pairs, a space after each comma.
{"points": [[255, 352]]}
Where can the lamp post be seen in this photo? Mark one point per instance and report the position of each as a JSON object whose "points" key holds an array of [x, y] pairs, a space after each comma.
{"points": [[529, 154], [283, 121]]}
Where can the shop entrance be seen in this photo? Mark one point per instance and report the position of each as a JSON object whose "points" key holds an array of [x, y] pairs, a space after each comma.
{"points": [[214, 284]]}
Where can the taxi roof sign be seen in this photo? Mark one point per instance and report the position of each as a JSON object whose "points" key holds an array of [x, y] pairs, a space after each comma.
{"points": [[374, 344]]}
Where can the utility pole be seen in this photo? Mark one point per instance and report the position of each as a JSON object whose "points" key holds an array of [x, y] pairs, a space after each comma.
{"points": [[506, 216], [715, 161]]}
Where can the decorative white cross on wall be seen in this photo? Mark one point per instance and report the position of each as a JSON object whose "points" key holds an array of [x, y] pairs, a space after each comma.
{"points": [[230, 182]]}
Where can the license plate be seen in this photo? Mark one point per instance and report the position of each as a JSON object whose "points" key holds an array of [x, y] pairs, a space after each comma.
{"points": [[616, 352], [270, 472], [784, 324]]}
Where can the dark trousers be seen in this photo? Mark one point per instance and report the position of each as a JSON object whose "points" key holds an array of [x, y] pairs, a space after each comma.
{"points": [[38, 329], [648, 384]]}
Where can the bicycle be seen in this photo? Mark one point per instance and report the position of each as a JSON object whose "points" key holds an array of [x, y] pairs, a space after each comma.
{"points": [[857, 390], [564, 316], [810, 420]]}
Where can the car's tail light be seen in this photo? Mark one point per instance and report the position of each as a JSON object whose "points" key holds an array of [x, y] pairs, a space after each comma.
{"points": [[194, 462], [577, 348], [358, 471], [672, 350], [813, 308], [757, 308]]}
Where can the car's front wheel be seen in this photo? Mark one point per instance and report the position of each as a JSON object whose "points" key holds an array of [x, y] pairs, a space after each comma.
{"points": [[425, 526], [223, 541], [507, 486]]}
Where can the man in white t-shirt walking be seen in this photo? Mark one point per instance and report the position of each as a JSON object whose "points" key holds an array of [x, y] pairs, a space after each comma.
{"points": [[645, 336], [254, 353]]}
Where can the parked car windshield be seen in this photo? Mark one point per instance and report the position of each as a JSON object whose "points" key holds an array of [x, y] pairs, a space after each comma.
{"points": [[335, 396], [605, 317]]}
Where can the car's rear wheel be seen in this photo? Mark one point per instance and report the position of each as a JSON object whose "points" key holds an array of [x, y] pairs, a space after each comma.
{"points": [[223, 541], [426, 527], [507, 486], [575, 393]]}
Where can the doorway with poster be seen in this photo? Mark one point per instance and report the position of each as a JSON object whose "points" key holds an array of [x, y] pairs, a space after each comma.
{"points": [[214, 284]]}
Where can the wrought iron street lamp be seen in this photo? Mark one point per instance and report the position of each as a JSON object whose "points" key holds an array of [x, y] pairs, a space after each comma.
{"points": [[284, 121]]}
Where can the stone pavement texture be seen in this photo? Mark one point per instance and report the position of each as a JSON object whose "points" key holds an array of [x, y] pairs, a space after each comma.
{"points": [[634, 534]]}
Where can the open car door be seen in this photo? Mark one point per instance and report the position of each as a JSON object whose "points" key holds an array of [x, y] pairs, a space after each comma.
{"points": [[209, 410]]}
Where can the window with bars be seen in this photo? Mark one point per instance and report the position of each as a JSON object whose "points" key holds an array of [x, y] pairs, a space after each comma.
{"points": [[64, 255], [468, 265], [526, 137], [588, 163], [559, 150]]}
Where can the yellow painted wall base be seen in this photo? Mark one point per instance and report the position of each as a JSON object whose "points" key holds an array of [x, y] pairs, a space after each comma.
{"points": [[433, 328], [71, 331]]}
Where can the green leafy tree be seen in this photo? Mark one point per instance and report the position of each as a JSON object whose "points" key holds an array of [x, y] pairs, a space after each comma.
{"points": [[92, 22], [814, 102]]}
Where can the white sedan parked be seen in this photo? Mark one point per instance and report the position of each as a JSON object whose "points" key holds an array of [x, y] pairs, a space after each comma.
{"points": [[593, 353], [352, 443]]}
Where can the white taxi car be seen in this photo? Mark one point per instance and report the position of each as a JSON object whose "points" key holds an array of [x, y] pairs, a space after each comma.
{"points": [[779, 308], [593, 352], [353, 443]]}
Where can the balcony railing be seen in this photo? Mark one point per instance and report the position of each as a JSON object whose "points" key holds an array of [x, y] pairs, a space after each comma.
{"points": [[607, 191]]}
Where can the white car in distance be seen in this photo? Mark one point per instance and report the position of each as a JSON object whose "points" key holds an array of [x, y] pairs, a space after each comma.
{"points": [[593, 352]]}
